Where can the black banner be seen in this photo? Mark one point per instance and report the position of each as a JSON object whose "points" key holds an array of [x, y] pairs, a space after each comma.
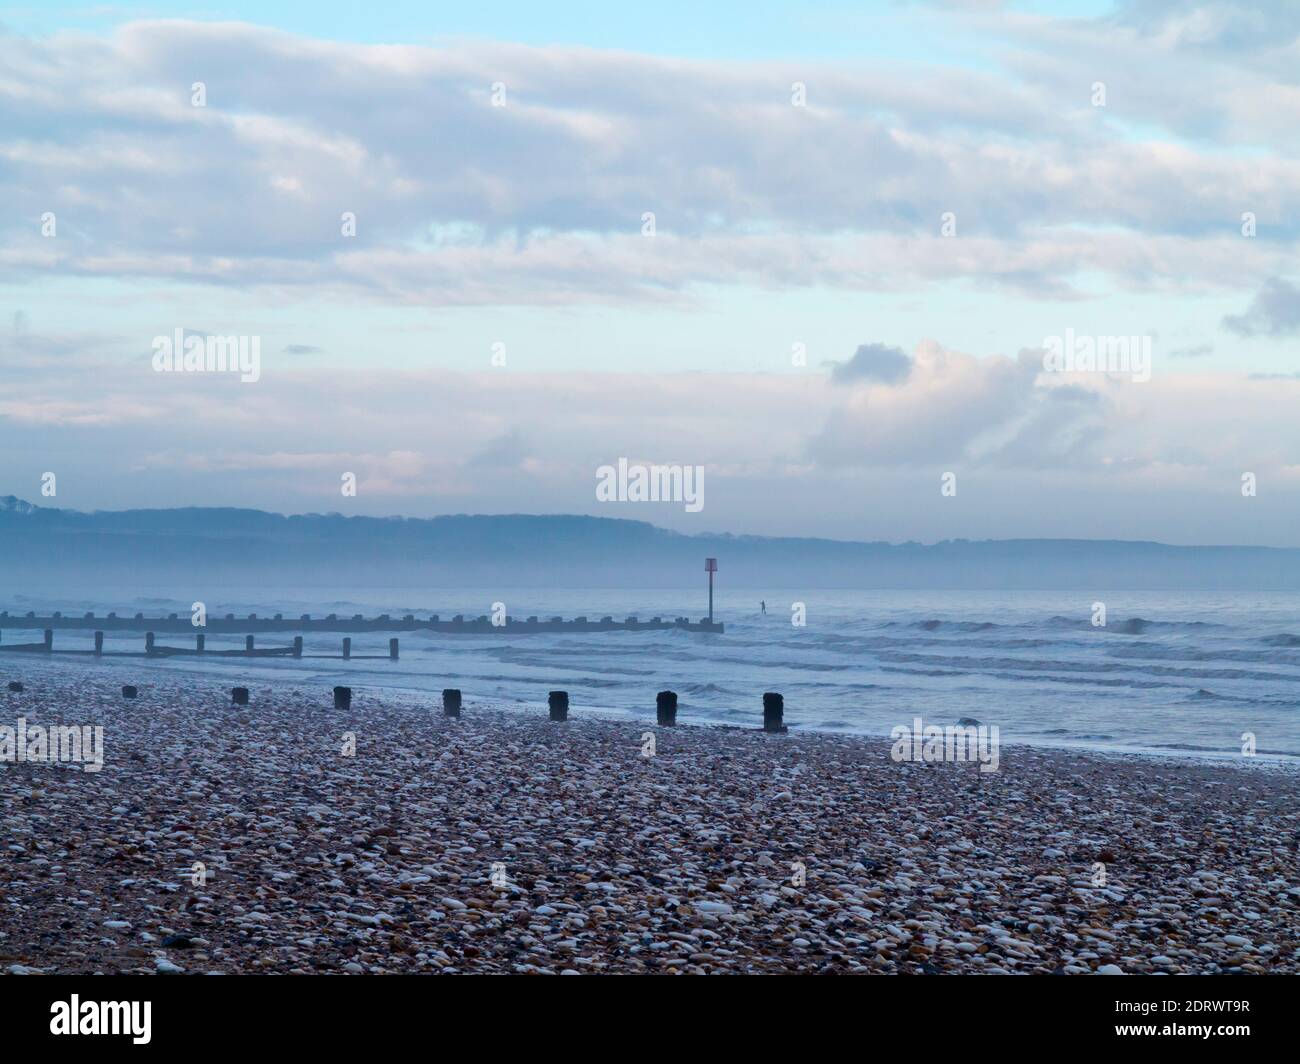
{"points": [[1227, 1014]]}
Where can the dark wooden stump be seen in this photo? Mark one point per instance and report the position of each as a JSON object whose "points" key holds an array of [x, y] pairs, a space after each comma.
{"points": [[774, 713], [666, 708], [559, 703], [451, 702]]}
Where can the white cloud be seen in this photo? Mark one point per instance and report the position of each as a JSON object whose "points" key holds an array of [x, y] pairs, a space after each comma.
{"points": [[746, 189]]}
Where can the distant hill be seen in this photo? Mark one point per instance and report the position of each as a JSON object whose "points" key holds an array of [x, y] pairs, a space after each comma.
{"points": [[53, 549]]}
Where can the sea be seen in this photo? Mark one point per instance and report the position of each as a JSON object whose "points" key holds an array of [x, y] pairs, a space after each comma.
{"points": [[1181, 673]]}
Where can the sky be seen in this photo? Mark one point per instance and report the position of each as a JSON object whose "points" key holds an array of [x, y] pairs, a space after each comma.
{"points": [[817, 250]]}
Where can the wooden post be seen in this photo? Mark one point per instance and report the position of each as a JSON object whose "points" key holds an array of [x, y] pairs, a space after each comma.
{"points": [[148, 642], [129, 692], [451, 702], [343, 698], [239, 695], [559, 705], [99, 644], [200, 643], [711, 567], [248, 644], [392, 649], [347, 647], [15, 687], [774, 713], [49, 640], [666, 708], [297, 646]]}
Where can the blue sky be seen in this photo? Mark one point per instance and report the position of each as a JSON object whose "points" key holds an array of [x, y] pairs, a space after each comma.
{"points": [[757, 29], [815, 225]]}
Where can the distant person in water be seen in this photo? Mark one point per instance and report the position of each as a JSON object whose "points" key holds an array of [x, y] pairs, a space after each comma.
{"points": [[762, 605]]}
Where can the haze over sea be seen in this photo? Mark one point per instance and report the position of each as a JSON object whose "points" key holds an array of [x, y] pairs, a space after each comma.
{"points": [[1171, 672]]}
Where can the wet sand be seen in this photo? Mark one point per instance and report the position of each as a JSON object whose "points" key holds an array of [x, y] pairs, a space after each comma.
{"points": [[502, 842]]}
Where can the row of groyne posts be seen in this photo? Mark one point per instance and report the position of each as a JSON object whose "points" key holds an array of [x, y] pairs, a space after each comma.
{"points": [[229, 625], [153, 650], [458, 625], [557, 703]]}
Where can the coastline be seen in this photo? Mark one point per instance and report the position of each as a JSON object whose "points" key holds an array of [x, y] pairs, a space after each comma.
{"points": [[281, 674], [502, 842]]}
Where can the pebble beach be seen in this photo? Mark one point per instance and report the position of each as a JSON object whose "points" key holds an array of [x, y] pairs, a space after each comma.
{"points": [[288, 836]]}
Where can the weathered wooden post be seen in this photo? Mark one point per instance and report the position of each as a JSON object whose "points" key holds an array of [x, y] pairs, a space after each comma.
{"points": [[451, 702], [201, 643], [392, 649], [710, 567], [347, 647], [666, 708], [774, 712], [148, 642], [49, 640], [248, 644], [559, 705], [99, 644], [297, 646], [239, 696], [343, 698], [129, 691]]}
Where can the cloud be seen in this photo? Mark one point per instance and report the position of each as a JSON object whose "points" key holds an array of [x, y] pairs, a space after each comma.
{"points": [[1196, 351], [302, 349], [873, 362], [1220, 25], [1275, 311], [1035, 453], [458, 202], [951, 405]]}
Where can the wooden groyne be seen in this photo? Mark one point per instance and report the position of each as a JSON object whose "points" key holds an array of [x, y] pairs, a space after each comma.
{"points": [[152, 649], [253, 624], [557, 705]]}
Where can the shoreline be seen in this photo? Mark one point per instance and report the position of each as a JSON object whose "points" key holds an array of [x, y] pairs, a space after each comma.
{"points": [[502, 842], [250, 671]]}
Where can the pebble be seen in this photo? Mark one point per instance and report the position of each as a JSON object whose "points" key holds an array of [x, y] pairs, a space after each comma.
{"points": [[706, 857]]}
